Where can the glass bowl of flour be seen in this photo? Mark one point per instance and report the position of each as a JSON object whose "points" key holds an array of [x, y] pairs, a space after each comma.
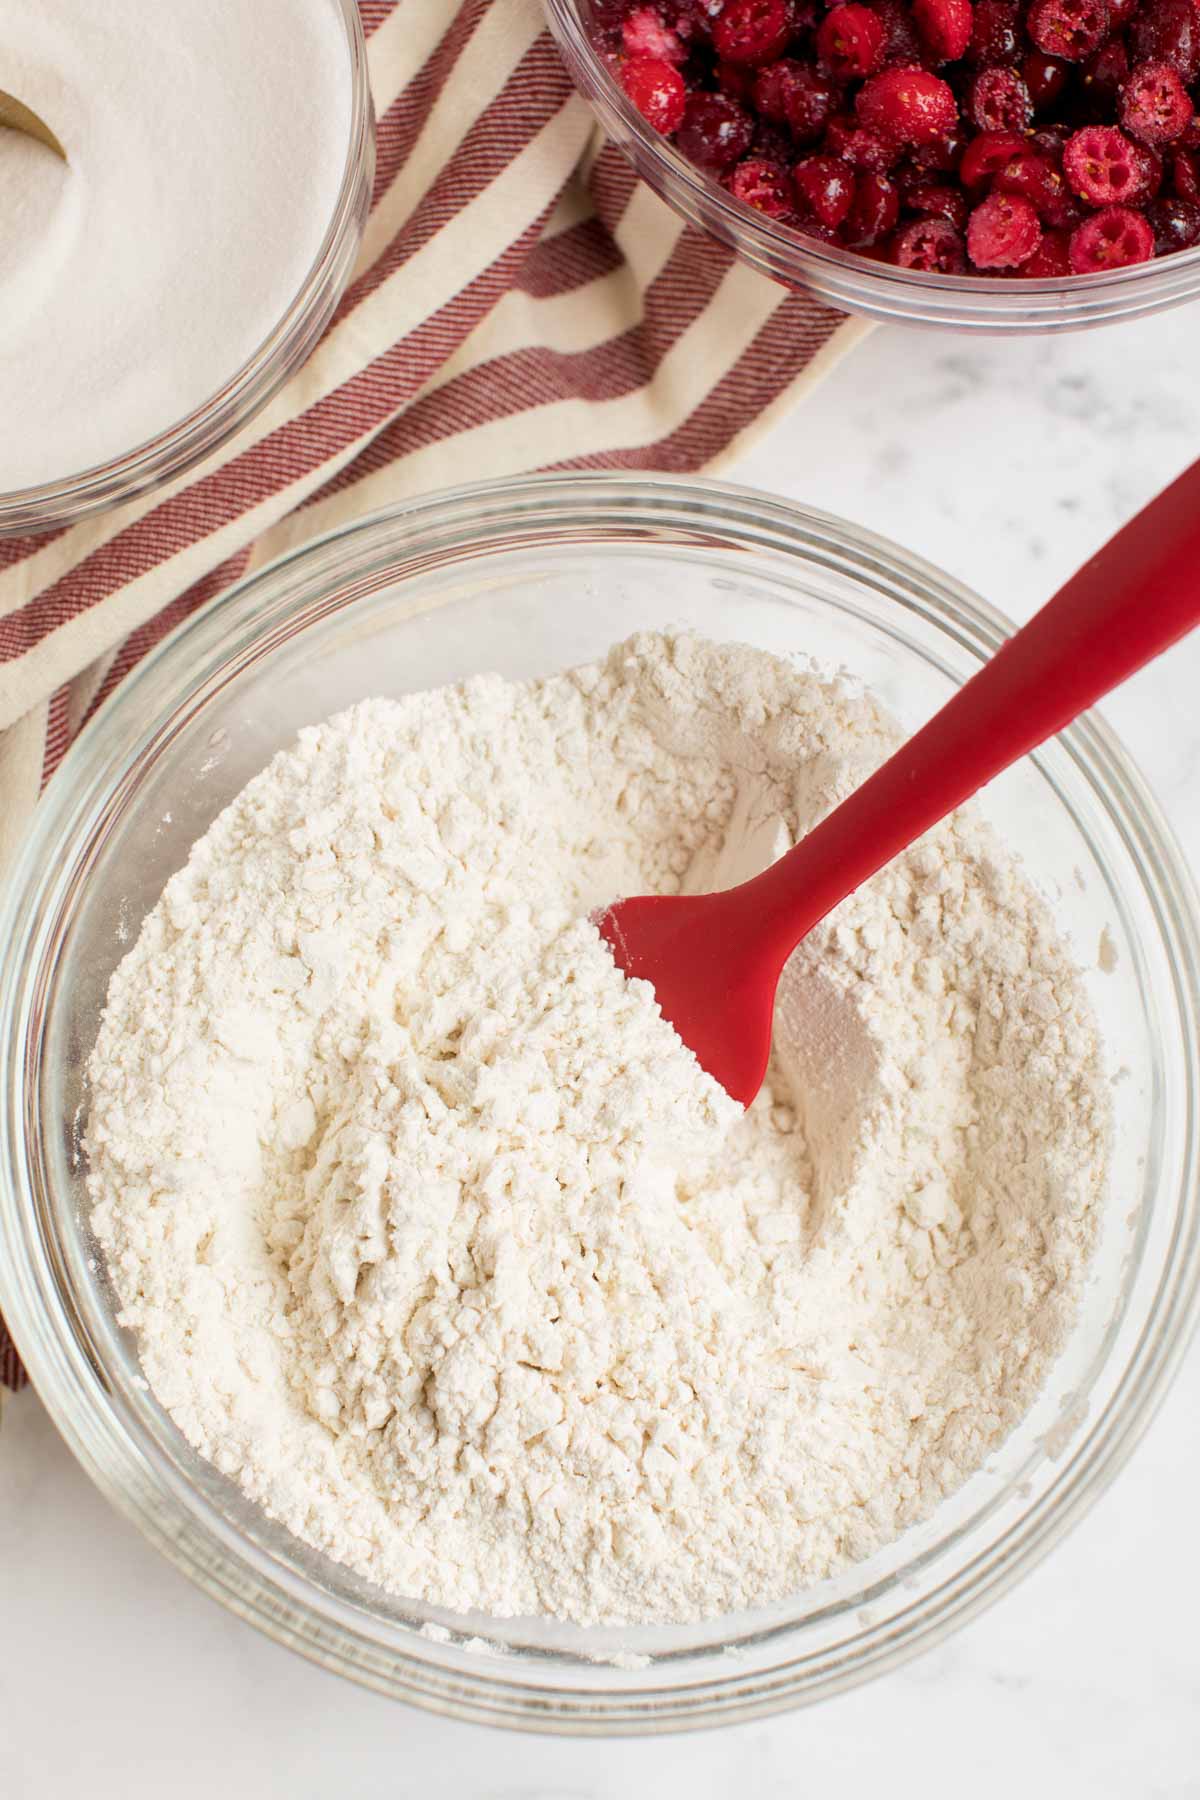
{"points": [[161, 284], [891, 1350]]}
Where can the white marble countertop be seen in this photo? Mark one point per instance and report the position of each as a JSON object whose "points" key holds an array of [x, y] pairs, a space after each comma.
{"points": [[1007, 464]]}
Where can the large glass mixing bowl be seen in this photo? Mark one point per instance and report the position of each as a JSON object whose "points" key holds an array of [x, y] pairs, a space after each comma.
{"points": [[527, 577]]}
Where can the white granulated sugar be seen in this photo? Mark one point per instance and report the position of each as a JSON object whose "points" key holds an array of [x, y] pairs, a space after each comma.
{"points": [[206, 141], [439, 1242]]}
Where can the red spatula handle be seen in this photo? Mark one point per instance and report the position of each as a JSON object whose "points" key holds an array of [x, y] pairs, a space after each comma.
{"points": [[1130, 602]]}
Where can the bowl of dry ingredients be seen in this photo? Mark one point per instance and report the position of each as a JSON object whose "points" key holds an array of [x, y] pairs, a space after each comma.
{"points": [[379, 1250], [968, 163], [162, 281]]}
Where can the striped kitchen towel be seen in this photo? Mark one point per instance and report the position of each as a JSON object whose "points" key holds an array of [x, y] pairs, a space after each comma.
{"points": [[521, 302]]}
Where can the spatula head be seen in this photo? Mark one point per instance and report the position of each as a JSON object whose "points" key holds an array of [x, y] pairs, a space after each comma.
{"points": [[712, 980]]}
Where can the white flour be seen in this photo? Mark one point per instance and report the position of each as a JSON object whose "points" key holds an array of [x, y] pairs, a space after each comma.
{"points": [[437, 1240], [206, 143]]}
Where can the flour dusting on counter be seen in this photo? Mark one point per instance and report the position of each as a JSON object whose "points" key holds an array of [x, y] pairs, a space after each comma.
{"points": [[438, 1241]]}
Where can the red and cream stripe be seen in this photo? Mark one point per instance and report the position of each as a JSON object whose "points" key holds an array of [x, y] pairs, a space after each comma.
{"points": [[520, 302]]}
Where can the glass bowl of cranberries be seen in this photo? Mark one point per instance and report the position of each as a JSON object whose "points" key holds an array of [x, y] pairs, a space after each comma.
{"points": [[993, 165]]}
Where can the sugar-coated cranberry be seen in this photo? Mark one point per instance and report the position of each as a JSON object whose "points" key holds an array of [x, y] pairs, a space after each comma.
{"points": [[1120, 12], [763, 185], [810, 105], [861, 145], [771, 85], [1003, 232], [985, 154], [874, 212], [850, 42], [945, 27], [1052, 258], [1167, 31], [910, 105], [1174, 222], [1045, 77], [657, 90], [930, 244], [1071, 29], [716, 132], [1155, 105], [1104, 167], [645, 32], [825, 187], [995, 35], [752, 31], [998, 100], [901, 43], [935, 200], [1111, 239]]}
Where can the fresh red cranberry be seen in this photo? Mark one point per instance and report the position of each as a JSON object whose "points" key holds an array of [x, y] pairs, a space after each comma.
{"points": [[985, 154], [810, 104], [763, 185], [1174, 222], [1052, 258], [752, 31], [1045, 77], [1100, 82], [861, 145], [910, 105], [998, 100], [1003, 232], [1071, 29], [772, 84], [935, 200], [644, 32], [942, 155], [1155, 105], [1111, 239], [945, 27], [874, 213], [1050, 141], [995, 35], [716, 132], [850, 42], [1168, 31], [901, 43], [1185, 174], [930, 244], [825, 187], [1031, 176], [657, 90], [1105, 167]]}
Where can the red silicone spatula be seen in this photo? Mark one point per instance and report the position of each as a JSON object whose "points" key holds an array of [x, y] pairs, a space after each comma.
{"points": [[715, 959]]}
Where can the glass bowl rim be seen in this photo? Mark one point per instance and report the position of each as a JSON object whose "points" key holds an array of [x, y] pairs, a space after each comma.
{"points": [[105, 1434], [63, 501], [780, 245]]}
